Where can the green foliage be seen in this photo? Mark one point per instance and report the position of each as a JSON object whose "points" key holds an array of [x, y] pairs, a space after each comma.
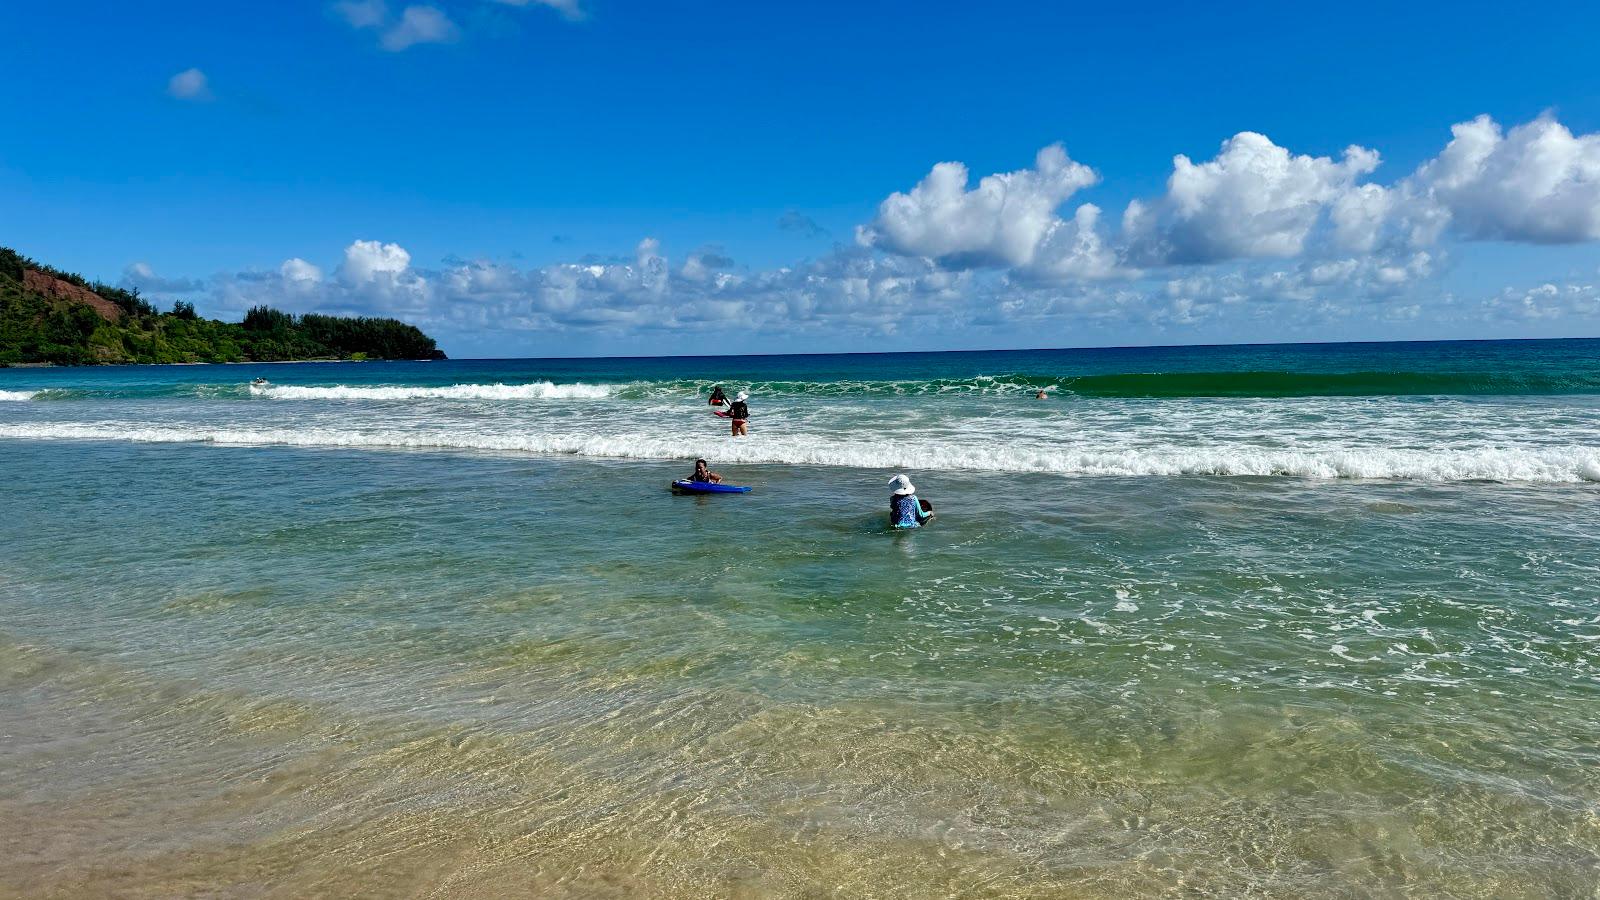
{"points": [[35, 328]]}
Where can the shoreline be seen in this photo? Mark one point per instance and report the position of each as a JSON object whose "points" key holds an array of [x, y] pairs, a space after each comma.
{"points": [[269, 362]]}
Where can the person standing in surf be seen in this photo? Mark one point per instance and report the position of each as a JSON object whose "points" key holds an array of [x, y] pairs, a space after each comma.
{"points": [[739, 413], [717, 396], [905, 509]]}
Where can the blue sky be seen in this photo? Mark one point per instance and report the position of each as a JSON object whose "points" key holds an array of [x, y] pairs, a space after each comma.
{"points": [[593, 176]]}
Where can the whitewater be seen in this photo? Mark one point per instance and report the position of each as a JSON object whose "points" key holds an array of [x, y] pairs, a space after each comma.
{"points": [[1514, 412]]}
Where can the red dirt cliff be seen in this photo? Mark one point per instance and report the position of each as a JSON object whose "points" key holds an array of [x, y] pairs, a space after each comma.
{"points": [[40, 283]]}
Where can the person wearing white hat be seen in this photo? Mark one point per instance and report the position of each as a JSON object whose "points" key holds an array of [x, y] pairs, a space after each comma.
{"points": [[905, 510], [739, 413]]}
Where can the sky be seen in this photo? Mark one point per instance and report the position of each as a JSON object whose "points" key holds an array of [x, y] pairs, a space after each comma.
{"points": [[600, 177]]}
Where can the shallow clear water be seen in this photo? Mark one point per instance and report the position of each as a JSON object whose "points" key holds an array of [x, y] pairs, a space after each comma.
{"points": [[247, 648]]}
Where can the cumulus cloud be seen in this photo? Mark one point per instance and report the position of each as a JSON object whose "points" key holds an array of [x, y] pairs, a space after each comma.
{"points": [[415, 25], [299, 275], [1257, 234], [1540, 183], [1254, 199], [190, 84], [1001, 222]]}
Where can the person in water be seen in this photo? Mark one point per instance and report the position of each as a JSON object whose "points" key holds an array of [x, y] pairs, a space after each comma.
{"points": [[1041, 396], [905, 510], [739, 413], [701, 473], [717, 396]]}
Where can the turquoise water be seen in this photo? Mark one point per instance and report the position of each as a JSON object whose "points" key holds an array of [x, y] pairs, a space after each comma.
{"points": [[1276, 621]]}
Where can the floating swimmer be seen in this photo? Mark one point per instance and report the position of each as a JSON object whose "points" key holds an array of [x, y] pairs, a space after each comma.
{"points": [[260, 382]]}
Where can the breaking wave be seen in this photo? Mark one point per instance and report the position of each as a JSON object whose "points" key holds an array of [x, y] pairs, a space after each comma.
{"points": [[1532, 465], [1267, 384], [543, 390], [1132, 385]]}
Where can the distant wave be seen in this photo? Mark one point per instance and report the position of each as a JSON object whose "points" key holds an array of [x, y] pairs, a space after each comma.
{"points": [[1265, 384], [1327, 384], [1535, 465], [543, 390], [1133, 385]]}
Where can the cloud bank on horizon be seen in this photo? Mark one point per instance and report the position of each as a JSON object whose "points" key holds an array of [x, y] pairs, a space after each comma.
{"points": [[1256, 230]]}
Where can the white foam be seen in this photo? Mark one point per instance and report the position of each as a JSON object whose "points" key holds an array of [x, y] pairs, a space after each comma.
{"points": [[542, 390], [18, 395], [1534, 464]]}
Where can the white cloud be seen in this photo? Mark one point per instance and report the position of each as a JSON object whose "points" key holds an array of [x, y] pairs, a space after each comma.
{"points": [[569, 8], [416, 25], [1074, 250], [367, 261], [299, 274], [190, 84], [1256, 235], [363, 13], [1358, 217], [1001, 222], [419, 25], [1255, 199], [1545, 302], [1538, 184]]}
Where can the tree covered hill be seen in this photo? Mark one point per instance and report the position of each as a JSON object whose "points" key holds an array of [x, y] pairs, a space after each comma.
{"points": [[51, 316]]}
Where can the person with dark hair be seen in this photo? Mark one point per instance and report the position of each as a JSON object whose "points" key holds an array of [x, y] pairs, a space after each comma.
{"points": [[703, 474], [717, 396]]}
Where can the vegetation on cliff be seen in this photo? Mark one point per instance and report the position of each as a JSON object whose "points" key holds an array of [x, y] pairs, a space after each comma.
{"points": [[51, 316]]}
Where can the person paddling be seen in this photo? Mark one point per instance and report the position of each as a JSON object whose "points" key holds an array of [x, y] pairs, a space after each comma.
{"points": [[717, 396], [905, 510], [704, 474], [739, 412]]}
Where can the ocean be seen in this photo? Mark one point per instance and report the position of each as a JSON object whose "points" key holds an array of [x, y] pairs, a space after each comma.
{"points": [[1291, 620]]}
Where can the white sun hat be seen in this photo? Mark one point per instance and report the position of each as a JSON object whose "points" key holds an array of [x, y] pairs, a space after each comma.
{"points": [[742, 396], [902, 486]]}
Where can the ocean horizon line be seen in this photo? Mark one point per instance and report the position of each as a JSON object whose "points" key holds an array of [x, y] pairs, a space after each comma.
{"points": [[1085, 348]]}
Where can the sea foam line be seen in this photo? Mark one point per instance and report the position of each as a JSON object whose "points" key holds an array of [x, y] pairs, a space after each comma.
{"points": [[542, 390], [17, 395], [1557, 465]]}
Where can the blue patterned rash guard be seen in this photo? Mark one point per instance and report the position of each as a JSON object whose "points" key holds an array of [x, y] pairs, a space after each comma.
{"points": [[905, 511]]}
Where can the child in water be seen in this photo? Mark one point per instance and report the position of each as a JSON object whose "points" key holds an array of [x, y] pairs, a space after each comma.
{"points": [[905, 510], [717, 396], [704, 474], [739, 412]]}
